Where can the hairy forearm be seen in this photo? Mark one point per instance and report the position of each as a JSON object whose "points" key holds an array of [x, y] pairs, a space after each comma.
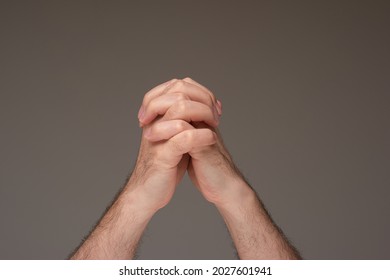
{"points": [[253, 232], [117, 234]]}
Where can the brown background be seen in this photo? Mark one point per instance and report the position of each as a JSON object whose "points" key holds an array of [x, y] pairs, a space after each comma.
{"points": [[305, 90]]}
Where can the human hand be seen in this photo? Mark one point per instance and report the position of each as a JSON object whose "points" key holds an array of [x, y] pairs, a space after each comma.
{"points": [[191, 109], [163, 156], [179, 120]]}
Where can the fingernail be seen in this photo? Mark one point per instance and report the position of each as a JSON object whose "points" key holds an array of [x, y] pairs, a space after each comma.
{"points": [[216, 115], [140, 112], [142, 116], [219, 107]]}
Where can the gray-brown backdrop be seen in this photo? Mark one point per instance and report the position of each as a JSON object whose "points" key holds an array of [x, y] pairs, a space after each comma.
{"points": [[305, 90]]}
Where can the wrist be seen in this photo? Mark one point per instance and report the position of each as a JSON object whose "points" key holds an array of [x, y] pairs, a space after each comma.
{"points": [[238, 194], [136, 201]]}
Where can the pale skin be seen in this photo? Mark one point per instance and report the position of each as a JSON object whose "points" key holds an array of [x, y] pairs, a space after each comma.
{"points": [[179, 119]]}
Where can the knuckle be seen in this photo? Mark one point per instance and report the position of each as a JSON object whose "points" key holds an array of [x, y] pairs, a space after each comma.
{"points": [[211, 135], [154, 130], [185, 138], [146, 98], [178, 84], [188, 79], [189, 136], [176, 110], [214, 136], [181, 106], [151, 106], [181, 125], [180, 96]]}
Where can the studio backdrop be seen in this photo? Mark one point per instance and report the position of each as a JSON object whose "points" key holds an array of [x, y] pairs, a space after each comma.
{"points": [[305, 93]]}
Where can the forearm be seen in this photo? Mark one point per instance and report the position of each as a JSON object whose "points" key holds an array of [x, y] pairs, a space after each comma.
{"points": [[117, 234], [252, 229]]}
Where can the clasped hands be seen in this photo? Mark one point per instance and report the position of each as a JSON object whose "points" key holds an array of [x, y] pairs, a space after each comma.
{"points": [[179, 120]]}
